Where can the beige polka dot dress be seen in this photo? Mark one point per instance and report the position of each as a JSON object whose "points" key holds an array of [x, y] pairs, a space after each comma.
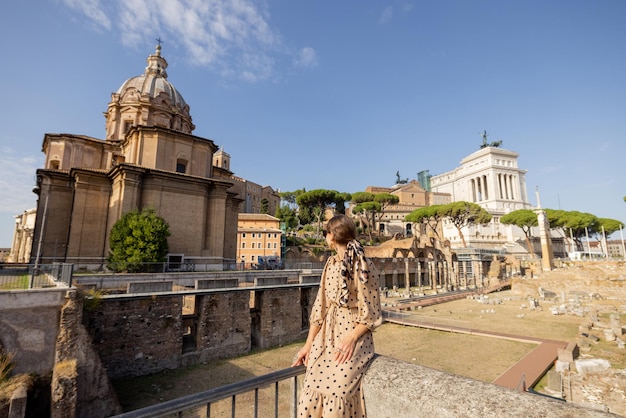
{"points": [[331, 389]]}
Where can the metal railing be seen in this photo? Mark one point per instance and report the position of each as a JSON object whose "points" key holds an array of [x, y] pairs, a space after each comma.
{"points": [[203, 400], [31, 276]]}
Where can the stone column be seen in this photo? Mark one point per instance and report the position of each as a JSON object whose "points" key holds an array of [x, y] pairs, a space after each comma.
{"points": [[485, 190], [419, 275], [215, 218], [407, 277], [473, 188], [547, 257], [394, 277], [432, 275]]}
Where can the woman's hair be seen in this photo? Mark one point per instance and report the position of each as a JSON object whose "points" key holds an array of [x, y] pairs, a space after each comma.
{"points": [[342, 228]]}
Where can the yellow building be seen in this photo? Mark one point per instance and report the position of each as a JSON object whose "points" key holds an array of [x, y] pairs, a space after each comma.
{"points": [[258, 235]]}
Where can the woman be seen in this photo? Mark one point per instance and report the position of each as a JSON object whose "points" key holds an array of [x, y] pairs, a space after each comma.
{"points": [[339, 345]]}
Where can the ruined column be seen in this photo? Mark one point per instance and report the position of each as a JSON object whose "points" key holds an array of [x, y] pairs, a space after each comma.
{"points": [[419, 276], [432, 276], [547, 256], [407, 277], [394, 276]]}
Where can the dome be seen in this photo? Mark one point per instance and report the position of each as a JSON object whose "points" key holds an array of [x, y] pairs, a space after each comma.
{"points": [[154, 82], [148, 100]]}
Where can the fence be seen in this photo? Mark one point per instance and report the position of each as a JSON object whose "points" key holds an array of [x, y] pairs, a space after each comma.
{"points": [[186, 264], [204, 400], [31, 276], [391, 388]]}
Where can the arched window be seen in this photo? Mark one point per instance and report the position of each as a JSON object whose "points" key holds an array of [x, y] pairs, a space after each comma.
{"points": [[181, 166]]}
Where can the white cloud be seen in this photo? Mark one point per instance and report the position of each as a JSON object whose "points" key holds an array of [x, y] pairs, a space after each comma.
{"points": [[386, 15], [388, 12], [17, 181], [233, 37], [307, 57], [91, 9]]}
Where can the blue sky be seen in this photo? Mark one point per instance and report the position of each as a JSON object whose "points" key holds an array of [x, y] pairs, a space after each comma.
{"points": [[335, 94]]}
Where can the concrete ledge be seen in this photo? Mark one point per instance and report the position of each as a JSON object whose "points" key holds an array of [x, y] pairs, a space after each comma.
{"points": [[394, 388], [202, 284], [24, 299], [270, 281], [150, 287], [310, 278]]}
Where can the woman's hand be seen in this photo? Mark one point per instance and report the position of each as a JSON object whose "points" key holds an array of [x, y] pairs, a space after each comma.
{"points": [[302, 356], [345, 350]]}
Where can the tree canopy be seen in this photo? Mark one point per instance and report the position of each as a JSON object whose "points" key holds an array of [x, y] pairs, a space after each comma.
{"points": [[138, 238], [372, 206], [462, 214], [610, 226], [287, 215], [431, 216], [573, 223], [318, 200], [290, 197], [526, 219]]}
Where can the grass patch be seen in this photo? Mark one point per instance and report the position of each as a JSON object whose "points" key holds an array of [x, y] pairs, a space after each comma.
{"points": [[20, 282]]}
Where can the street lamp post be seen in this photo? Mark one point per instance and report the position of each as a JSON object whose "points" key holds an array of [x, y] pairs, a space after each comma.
{"points": [[42, 227]]}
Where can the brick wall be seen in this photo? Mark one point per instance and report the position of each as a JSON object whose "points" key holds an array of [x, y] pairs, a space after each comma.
{"points": [[145, 334], [223, 326], [136, 336], [278, 317]]}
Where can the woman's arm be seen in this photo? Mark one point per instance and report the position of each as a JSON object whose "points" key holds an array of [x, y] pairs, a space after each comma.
{"points": [[315, 319], [302, 356]]}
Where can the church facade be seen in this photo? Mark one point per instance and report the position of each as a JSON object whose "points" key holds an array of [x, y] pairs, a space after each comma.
{"points": [[148, 159]]}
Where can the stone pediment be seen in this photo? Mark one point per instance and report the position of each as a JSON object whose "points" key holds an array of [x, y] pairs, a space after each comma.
{"points": [[412, 186]]}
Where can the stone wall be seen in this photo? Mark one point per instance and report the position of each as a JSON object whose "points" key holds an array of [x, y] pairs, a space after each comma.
{"points": [[136, 336], [29, 324], [80, 386], [279, 317], [141, 334], [394, 388], [223, 326]]}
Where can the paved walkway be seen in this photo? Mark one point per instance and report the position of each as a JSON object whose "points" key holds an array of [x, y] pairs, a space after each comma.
{"points": [[527, 372], [523, 375]]}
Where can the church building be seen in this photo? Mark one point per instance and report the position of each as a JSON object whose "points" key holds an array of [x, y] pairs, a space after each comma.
{"points": [[148, 159]]}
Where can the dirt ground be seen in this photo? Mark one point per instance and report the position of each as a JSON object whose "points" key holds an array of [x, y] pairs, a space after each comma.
{"points": [[582, 292]]}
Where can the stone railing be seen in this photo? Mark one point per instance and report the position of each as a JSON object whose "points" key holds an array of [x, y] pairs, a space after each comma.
{"points": [[394, 388]]}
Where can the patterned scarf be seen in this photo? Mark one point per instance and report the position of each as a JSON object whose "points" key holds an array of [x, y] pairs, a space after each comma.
{"points": [[354, 259]]}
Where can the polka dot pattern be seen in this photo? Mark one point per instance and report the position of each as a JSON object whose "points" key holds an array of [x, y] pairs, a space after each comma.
{"points": [[331, 389]]}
